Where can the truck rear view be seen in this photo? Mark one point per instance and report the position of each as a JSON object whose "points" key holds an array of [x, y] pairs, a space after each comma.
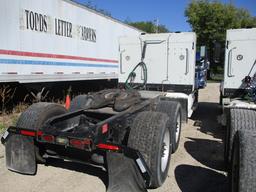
{"points": [[237, 96]]}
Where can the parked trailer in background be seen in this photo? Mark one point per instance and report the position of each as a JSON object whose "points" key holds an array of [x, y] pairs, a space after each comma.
{"points": [[57, 40], [238, 98]]}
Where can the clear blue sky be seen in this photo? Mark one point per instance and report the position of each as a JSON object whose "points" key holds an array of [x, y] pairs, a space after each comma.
{"points": [[169, 12]]}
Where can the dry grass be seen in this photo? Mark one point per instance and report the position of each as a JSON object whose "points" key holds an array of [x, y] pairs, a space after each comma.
{"points": [[10, 119], [6, 95]]}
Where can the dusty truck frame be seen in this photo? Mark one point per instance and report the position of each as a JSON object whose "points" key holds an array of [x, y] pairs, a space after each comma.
{"points": [[133, 133], [237, 97]]}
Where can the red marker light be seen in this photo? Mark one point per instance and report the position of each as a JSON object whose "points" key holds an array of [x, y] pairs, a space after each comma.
{"points": [[104, 128], [79, 143], [48, 138], [28, 133], [108, 147], [39, 133]]}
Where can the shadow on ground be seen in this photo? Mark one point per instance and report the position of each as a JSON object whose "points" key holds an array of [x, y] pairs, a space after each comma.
{"points": [[197, 179], [207, 152], [79, 167], [206, 119]]}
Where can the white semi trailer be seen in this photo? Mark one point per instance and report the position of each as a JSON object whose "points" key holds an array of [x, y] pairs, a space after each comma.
{"points": [[57, 40], [238, 98]]}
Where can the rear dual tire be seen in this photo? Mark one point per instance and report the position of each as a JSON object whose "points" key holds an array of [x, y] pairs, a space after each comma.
{"points": [[173, 111], [240, 119], [242, 173], [151, 136]]}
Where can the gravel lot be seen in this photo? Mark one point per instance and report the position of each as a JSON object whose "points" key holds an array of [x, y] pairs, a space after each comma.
{"points": [[196, 166]]}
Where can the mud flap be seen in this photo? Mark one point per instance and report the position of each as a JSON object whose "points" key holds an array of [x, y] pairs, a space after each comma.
{"points": [[123, 174], [20, 154]]}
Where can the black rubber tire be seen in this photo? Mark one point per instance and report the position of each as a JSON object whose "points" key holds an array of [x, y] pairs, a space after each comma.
{"points": [[79, 102], [146, 135], [240, 119], [173, 110], [35, 116], [242, 175]]}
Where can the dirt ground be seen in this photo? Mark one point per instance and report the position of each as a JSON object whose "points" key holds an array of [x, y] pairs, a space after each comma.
{"points": [[196, 166]]}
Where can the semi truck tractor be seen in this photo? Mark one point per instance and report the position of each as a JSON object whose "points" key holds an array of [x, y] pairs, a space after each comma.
{"points": [[132, 130], [237, 97], [49, 43]]}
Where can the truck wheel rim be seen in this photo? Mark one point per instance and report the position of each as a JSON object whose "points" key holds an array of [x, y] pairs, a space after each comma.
{"points": [[165, 150], [177, 130]]}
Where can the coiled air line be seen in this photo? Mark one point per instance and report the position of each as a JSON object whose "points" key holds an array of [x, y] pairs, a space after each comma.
{"points": [[131, 77]]}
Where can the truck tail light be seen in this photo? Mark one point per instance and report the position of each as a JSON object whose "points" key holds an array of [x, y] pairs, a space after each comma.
{"points": [[39, 133], [28, 133], [47, 138], [81, 144], [108, 147]]}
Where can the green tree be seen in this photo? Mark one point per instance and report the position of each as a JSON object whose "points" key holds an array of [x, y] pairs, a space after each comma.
{"points": [[148, 26], [211, 19]]}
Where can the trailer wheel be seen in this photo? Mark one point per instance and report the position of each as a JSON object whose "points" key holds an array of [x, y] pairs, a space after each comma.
{"points": [[151, 136], [240, 119], [173, 110], [35, 116], [242, 175]]}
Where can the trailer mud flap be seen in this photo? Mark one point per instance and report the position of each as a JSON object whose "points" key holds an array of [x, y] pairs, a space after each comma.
{"points": [[123, 174], [20, 154]]}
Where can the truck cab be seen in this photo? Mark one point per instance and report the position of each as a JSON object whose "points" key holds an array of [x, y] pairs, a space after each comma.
{"points": [[237, 96], [239, 67], [170, 64]]}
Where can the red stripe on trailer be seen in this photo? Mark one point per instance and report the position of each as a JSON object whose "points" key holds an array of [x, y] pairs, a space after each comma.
{"points": [[55, 56]]}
